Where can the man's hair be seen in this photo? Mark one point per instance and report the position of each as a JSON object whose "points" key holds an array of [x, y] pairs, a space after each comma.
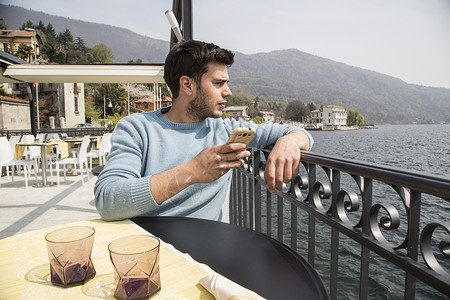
{"points": [[190, 58]]}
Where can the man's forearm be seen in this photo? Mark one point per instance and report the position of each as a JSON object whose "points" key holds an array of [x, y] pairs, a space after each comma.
{"points": [[169, 183], [210, 164]]}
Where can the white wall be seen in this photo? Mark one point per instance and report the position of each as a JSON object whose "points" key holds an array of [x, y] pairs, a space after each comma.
{"points": [[14, 116], [73, 117]]}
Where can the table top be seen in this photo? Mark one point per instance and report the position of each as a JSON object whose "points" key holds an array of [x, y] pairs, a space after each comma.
{"points": [[251, 259], [37, 144], [25, 271]]}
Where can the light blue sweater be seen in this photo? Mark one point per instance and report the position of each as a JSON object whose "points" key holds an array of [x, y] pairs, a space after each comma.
{"points": [[146, 143]]}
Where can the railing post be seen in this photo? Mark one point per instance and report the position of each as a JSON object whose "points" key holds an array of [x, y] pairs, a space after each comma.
{"points": [[413, 211], [269, 212], [335, 187], [280, 218], [256, 199], [367, 190], [311, 219]]}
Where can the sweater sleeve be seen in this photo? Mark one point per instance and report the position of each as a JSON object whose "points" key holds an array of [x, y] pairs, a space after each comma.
{"points": [[266, 134], [120, 191]]}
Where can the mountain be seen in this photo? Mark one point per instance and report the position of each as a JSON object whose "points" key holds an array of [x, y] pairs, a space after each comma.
{"points": [[292, 74], [125, 44], [282, 75]]}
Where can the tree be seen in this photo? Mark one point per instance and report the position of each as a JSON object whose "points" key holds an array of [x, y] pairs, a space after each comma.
{"points": [[114, 119], [296, 110], [240, 99], [226, 115], [258, 120], [132, 62], [277, 107], [91, 112], [354, 118], [24, 52], [65, 40], [114, 92], [27, 24], [3, 25], [100, 54]]}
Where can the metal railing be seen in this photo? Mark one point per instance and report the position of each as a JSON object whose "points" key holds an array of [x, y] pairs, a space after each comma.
{"points": [[366, 228], [71, 132]]}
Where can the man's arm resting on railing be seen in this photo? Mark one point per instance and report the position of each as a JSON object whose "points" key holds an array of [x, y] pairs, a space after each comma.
{"points": [[284, 159]]}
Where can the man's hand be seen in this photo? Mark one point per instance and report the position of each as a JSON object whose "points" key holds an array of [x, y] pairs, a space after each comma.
{"points": [[284, 160], [215, 161], [209, 165]]}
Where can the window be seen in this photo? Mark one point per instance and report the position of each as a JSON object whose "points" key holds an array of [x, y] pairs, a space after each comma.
{"points": [[76, 104], [6, 47]]}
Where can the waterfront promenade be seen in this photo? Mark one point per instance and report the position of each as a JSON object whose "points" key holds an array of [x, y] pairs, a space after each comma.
{"points": [[26, 209]]}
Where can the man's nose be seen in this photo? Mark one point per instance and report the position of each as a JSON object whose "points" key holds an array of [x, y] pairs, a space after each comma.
{"points": [[226, 92]]}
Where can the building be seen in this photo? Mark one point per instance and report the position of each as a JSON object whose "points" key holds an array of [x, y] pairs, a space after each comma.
{"points": [[11, 39], [149, 103], [237, 112], [14, 113], [268, 116], [334, 116], [61, 105], [329, 117], [316, 117]]}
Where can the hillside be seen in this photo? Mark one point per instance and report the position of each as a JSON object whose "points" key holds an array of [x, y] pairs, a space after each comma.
{"points": [[126, 44], [281, 75], [292, 74]]}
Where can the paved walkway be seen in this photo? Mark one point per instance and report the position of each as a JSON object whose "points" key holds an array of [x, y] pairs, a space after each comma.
{"points": [[25, 209]]}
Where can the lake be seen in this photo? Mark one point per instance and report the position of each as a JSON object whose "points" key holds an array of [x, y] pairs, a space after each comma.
{"points": [[423, 148]]}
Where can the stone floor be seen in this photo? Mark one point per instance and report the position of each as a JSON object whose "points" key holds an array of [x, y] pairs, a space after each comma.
{"points": [[25, 209]]}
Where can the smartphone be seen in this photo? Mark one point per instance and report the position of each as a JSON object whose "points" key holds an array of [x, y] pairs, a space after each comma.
{"points": [[242, 135]]}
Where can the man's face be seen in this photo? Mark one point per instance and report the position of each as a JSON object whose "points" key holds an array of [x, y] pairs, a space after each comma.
{"points": [[209, 100]]}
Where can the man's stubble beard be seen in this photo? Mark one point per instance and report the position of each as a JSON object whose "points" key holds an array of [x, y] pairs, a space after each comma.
{"points": [[199, 109]]}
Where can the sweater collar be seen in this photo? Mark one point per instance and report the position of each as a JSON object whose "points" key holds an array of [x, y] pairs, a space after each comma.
{"points": [[161, 111]]}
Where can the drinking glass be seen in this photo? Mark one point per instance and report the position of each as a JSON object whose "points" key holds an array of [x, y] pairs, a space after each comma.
{"points": [[136, 266], [69, 251]]}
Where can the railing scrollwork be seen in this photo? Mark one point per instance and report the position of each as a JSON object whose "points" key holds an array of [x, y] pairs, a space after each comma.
{"points": [[354, 210]]}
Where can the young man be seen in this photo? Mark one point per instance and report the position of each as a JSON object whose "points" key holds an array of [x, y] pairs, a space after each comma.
{"points": [[175, 161]]}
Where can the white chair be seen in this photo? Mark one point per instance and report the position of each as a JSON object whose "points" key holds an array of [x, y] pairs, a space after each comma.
{"points": [[13, 140], [7, 160], [80, 160], [105, 147], [53, 136], [40, 137], [27, 138]]}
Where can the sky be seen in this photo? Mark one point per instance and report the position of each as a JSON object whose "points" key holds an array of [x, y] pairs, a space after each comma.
{"points": [[407, 39]]}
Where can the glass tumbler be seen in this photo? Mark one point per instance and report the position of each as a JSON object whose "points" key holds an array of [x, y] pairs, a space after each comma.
{"points": [[69, 251], [136, 266]]}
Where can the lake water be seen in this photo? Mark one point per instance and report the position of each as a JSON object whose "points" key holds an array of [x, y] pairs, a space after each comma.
{"points": [[424, 148]]}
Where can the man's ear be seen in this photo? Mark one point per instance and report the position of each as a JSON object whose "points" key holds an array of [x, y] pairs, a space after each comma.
{"points": [[187, 85]]}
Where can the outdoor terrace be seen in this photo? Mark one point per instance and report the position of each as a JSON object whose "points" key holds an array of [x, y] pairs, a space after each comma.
{"points": [[337, 213]]}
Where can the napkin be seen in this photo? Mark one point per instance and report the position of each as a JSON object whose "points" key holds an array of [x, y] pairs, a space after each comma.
{"points": [[63, 147], [224, 289]]}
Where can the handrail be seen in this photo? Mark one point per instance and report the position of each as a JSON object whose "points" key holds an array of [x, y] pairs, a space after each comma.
{"points": [[340, 193]]}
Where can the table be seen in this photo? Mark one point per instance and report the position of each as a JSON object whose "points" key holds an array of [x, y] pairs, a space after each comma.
{"points": [[25, 271], [43, 147], [251, 259]]}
